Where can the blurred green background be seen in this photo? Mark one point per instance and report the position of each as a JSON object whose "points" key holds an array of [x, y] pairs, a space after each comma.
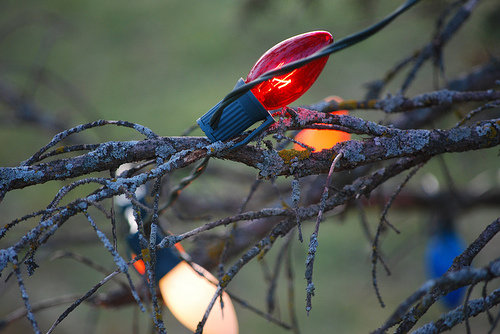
{"points": [[163, 64]]}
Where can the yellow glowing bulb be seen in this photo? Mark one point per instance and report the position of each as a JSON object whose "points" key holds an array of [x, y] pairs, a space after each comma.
{"points": [[187, 295]]}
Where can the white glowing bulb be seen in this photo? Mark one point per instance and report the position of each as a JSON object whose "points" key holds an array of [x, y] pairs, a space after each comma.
{"points": [[187, 295], [132, 224]]}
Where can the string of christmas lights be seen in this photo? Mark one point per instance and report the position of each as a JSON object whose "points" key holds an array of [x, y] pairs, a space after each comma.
{"points": [[325, 51]]}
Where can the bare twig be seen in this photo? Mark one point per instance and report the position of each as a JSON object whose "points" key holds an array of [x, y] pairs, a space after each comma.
{"points": [[456, 316], [383, 221], [87, 261], [39, 306], [313, 242], [406, 316], [24, 295], [80, 300], [448, 31]]}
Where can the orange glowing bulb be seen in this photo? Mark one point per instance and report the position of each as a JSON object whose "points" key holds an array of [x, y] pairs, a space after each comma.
{"points": [[187, 295], [320, 139], [139, 265]]}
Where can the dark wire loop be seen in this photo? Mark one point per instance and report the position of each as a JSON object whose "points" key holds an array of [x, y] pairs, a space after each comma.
{"points": [[327, 50]]}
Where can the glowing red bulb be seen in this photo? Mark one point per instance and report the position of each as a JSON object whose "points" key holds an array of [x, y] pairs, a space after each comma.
{"points": [[222, 123], [282, 90]]}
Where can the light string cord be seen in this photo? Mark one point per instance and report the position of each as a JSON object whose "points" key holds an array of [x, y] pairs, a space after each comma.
{"points": [[327, 50]]}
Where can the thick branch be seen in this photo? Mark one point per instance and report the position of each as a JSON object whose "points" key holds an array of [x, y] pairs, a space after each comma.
{"points": [[449, 320], [442, 98], [397, 143]]}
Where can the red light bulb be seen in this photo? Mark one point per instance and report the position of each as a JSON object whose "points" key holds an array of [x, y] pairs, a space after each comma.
{"points": [[233, 119], [282, 90]]}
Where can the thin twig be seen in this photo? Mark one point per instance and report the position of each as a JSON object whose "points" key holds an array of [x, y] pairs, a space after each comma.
{"points": [[60, 136], [466, 308], [87, 261], [456, 316], [24, 295], [383, 221], [461, 15], [119, 261], [174, 193], [406, 316], [313, 242], [291, 290], [295, 199], [476, 111], [495, 323], [151, 264], [87, 295], [271, 291], [38, 306], [260, 313]]}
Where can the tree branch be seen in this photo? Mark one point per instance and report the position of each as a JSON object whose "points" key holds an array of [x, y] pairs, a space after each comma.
{"points": [[393, 144]]}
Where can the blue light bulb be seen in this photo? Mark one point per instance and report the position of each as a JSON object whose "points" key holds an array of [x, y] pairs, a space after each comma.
{"points": [[442, 248]]}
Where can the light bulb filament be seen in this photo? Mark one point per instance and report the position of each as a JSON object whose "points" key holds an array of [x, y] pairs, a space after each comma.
{"points": [[283, 82]]}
